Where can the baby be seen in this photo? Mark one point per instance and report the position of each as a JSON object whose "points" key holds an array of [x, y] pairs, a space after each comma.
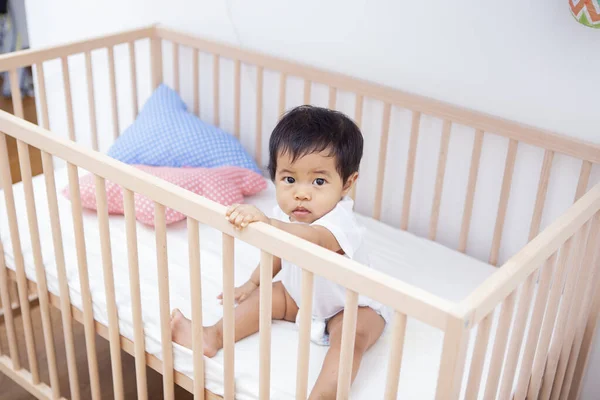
{"points": [[314, 158]]}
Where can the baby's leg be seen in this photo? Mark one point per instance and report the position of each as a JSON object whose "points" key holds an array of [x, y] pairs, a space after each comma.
{"points": [[246, 320], [369, 326]]}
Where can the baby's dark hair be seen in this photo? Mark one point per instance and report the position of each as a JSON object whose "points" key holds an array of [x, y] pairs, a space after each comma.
{"points": [[308, 129]]}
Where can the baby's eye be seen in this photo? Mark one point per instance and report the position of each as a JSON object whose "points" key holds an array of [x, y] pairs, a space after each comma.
{"points": [[289, 179], [319, 181]]}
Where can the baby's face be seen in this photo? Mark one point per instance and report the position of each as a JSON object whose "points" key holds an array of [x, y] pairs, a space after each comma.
{"points": [[309, 187]]}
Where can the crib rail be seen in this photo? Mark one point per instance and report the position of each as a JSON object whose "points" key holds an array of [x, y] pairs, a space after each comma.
{"points": [[550, 286], [26, 58]]}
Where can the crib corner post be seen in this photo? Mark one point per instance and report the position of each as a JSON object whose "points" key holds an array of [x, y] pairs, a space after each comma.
{"points": [[454, 353]]}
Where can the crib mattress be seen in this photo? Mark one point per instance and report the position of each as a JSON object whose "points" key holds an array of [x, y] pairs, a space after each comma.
{"points": [[444, 272]]}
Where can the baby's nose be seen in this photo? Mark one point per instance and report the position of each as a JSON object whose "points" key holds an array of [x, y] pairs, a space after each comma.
{"points": [[302, 195]]}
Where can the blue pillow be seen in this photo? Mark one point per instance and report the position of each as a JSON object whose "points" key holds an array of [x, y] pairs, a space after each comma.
{"points": [[165, 134]]}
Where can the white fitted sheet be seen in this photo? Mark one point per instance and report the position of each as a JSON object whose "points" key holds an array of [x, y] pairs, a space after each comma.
{"points": [[444, 272]]}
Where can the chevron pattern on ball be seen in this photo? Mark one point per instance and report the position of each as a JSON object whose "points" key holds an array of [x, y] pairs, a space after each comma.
{"points": [[587, 12]]}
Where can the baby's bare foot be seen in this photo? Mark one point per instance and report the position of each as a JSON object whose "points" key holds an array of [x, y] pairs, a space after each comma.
{"points": [[181, 329], [213, 340], [181, 333]]}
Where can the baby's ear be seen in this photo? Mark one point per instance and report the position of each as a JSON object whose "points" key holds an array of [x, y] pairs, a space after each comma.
{"points": [[350, 182]]}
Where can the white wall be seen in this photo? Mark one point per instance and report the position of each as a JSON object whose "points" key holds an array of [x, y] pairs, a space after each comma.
{"points": [[526, 61]]}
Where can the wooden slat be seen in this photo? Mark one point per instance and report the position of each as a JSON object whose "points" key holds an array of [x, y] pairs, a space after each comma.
{"points": [[68, 97], [358, 112], [91, 100], [282, 93], [156, 62], [410, 169], [109, 288], [42, 97], [439, 181], [499, 349], [228, 316], [452, 363], [553, 327], [438, 109], [584, 316], [385, 128], [196, 292], [516, 337], [468, 209], [347, 346], [133, 77], [13, 346], [266, 296], [581, 292], [176, 67], [15, 91], [113, 93], [395, 360], [259, 116], [86, 299], [504, 195], [236, 97], [332, 98], [540, 198], [584, 178], [535, 325], [406, 298], [15, 240], [304, 334], [40, 272], [136, 299], [307, 90], [216, 84], [59, 255], [196, 81], [160, 227], [13, 292], [479, 352]]}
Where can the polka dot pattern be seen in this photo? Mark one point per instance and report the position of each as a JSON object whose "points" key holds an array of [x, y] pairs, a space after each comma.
{"points": [[165, 134], [224, 185]]}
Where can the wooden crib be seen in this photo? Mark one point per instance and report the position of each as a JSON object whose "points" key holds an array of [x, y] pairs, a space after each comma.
{"points": [[549, 285]]}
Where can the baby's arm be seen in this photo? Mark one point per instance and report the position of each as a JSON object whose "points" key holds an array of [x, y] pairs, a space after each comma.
{"points": [[316, 234], [240, 215], [241, 293]]}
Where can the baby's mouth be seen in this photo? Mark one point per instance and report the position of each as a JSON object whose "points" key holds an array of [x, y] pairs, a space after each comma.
{"points": [[300, 211]]}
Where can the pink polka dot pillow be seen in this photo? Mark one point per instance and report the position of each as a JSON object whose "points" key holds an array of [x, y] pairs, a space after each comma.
{"points": [[224, 185]]}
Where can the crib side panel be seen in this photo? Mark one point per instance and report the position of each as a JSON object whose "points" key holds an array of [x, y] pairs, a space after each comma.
{"points": [[534, 322], [108, 175], [456, 176], [60, 73]]}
